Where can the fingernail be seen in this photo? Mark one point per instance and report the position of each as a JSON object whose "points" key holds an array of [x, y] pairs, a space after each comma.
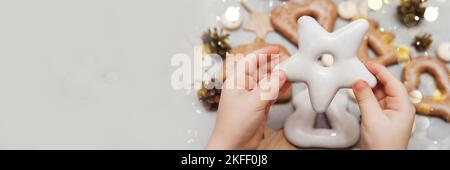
{"points": [[360, 85]]}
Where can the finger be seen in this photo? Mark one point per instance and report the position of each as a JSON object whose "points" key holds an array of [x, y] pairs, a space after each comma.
{"points": [[268, 50], [269, 87], [283, 80], [392, 86], [268, 58], [286, 85], [283, 57], [247, 65], [379, 92], [368, 104], [265, 66], [268, 67], [245, 82], [250, 63]]}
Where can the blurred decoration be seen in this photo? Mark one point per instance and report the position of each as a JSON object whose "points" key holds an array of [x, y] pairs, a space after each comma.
{"points": [[411, 12], [438, 96], [375, 4], [209, 95], [387, 38], [231, 19], [431, 13], [347, 10], [443, 51], [363, 8], [422, 42], [216, 41], [259, 22], [403, 54]]}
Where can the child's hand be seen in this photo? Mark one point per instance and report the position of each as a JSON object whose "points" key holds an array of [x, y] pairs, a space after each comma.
{"points": [[242, 112], [386, 113]]}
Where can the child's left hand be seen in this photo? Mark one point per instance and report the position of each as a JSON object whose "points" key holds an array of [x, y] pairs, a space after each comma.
{"points": [[242, 114]]}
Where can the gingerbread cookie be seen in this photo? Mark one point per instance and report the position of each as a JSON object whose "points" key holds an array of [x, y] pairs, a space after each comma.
{"points": [[432, 106], [243, 50], [284, 18], [324, 81], [299, 127], [386, 54], [259, 22]]}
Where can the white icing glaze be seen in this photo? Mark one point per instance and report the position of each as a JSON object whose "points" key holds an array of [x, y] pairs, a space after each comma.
{"points": [[324, 82], [299, 127], [351, 94], [327, 60]]}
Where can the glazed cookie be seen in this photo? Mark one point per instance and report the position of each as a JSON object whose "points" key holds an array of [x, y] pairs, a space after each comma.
{"points": [[324, 80], [243, 50], [386, 54], [433, 106], [284, 18], [299, 127]]}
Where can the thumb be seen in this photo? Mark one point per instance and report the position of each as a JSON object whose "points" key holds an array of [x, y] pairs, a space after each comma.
{"points": [[269, 87], [284, 86], [282, 78], [368, 103]]}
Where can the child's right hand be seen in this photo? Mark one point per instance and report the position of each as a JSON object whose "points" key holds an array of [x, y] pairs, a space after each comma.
{"points": [[386, 113]]}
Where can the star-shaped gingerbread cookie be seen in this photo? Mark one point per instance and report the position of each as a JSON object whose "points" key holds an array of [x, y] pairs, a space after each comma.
{"points": [[259, 23], [324, 81]]}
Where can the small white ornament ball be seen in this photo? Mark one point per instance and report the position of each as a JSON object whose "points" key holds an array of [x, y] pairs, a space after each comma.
{"points": [[415, 96], [327, 60], [444, 51], [231, 19], [347, 9]]}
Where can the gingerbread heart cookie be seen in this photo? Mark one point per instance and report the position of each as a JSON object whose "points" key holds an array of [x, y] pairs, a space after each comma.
{"points": [[377, 40], [284, 18], [430, 105]]}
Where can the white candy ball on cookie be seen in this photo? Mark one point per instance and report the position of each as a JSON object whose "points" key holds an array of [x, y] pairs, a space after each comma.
{"points": [[443, 51], [327, 60], [347, 9]]}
